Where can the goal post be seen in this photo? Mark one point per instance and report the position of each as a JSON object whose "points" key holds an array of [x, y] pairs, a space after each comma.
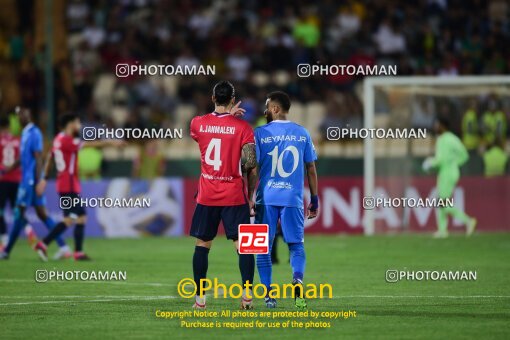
{"points": [[434, 86]]}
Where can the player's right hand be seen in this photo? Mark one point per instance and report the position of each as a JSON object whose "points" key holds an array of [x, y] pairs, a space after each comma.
{"points": [[40, 187], [252, 207], [237, 111], [427, 164], [5, 169]]}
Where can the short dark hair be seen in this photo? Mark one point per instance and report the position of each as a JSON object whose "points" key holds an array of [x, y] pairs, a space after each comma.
{"points": [[281, 98], [66, 119], [223, 92], [4, 121], [444, 121]]}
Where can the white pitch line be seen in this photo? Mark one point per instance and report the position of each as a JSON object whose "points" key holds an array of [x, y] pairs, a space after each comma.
{"points": [[114, 298], [147, 298], [151, 284], [84, 296], [423, 296]]}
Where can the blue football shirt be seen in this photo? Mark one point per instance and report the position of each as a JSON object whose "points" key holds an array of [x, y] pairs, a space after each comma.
{"points": [[31, 141], [283, 147]]}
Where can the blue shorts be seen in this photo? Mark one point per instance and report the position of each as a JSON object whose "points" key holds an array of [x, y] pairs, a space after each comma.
{"points": [[292, 221], [27, 196]]}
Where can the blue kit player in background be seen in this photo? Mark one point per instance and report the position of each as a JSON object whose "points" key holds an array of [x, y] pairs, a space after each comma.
{"points": [[31, 162], [285, 152]]}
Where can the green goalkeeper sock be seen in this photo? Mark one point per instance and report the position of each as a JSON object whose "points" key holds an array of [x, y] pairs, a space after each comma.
{"points": [[442, 220], [458, 214]]}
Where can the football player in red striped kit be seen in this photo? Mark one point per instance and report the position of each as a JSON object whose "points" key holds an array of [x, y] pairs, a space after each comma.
{"points": [[66, 146], [227, 149]]}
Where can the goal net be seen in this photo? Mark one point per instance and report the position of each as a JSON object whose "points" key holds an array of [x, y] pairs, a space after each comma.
{"points": [[475, 108]]}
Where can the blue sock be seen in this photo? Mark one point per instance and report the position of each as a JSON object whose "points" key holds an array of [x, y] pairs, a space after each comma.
{"points": [[297, 260], [50, 224], [19, 224], [265, 268]]}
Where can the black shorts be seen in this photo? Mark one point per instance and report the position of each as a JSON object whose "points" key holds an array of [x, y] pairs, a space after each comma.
{"points": [[206, 220], [8, 193], [69, 207]]}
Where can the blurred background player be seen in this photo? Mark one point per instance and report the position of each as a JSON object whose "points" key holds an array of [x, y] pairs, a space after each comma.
{"points": [[66, 146], [495, 160], [227, 149], [30, 163], [285, 152], [494, 124], [450, 155], [9, 153], [470, 129]]}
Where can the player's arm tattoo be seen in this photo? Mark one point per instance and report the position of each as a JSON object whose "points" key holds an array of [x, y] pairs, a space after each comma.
{"points": [[249, 165], [253, 179], [248, 157]]}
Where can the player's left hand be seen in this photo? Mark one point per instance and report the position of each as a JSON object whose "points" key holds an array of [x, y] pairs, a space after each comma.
{"points": [[237, 111], [311, 213], [40, 187], [313, 208]]}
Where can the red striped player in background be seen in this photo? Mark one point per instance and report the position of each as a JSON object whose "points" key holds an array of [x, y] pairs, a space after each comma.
{"points": [[9, 153]]}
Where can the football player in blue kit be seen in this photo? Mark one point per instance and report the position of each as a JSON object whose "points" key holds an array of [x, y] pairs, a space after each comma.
{"points": [[285, 154]]}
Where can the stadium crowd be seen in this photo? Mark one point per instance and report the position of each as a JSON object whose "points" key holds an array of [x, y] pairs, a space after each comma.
{"points": [[256, 44]]}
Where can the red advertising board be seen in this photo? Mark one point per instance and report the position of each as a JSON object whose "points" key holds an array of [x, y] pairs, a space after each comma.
{"points": [[341, 208]]}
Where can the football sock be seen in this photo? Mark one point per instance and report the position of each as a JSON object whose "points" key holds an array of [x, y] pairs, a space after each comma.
{"points": [[54, 233], [442, 217], [458, 214], [297, 260], [247, 267], [274, 254], [19, 224], [4, 239], [442, 220], [3, 227], [200, 265], [79, 233], [50, 224], [265, 268]]}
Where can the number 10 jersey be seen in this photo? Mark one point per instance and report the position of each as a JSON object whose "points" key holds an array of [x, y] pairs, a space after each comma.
{"points": [[283, 148]]}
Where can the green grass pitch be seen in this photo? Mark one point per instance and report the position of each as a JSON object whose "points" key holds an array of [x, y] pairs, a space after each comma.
{"points": [[355, 266]]}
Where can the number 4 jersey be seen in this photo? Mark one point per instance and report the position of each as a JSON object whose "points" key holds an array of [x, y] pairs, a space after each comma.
{"points": [[65, 153], [283, 149], [221, 138]]}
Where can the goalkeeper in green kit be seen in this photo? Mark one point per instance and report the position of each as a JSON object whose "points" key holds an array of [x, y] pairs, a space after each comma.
{"points": [[450, 155]]}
